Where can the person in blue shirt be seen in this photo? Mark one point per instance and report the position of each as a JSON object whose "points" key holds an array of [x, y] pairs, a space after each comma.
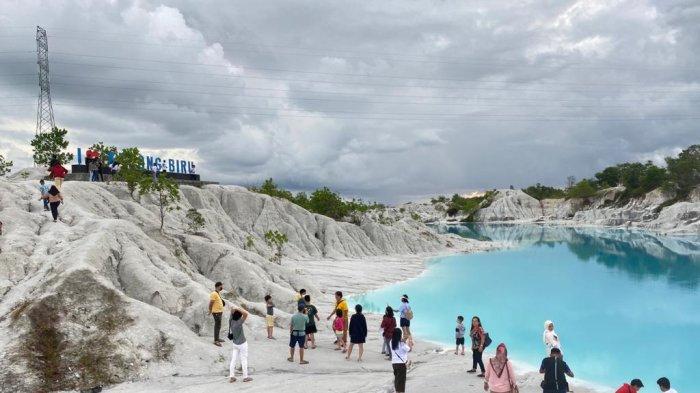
{"points": [[44, 190]]}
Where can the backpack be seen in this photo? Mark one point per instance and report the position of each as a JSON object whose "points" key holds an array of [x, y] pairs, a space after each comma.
{"points": [[409, 314], [487, 339]]}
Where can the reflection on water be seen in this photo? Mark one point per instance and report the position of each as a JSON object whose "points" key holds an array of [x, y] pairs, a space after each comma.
{"points": [[640, 254], [626, 303]]}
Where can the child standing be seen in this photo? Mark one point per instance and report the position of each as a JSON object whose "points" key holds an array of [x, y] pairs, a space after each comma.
{"points": [[459, 334], [338, 328], [44, 190], [270, 316]]}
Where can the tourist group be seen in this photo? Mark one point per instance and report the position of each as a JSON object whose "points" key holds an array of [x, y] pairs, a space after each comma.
{"points": [[498, 374]]}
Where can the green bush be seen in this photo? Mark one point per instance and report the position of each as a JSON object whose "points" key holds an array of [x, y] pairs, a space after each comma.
{"points": [[50, 145], [540, 192], [586, 188], [684, 171]]}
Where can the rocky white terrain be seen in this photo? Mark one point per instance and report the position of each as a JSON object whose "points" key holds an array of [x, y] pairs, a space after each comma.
{"points": [[648, 212], [103, 297]]}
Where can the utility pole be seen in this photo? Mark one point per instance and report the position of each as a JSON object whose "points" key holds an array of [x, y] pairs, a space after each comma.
{"points": [[44, 110]]}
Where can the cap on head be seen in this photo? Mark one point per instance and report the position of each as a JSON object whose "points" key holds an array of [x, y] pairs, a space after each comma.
{"points": [[637, 383]]}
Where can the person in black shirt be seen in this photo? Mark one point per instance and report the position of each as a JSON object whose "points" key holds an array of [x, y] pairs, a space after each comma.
{"points": [[555, 371], [358, 332]]}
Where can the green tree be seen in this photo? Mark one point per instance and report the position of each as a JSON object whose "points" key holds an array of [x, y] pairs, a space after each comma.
{"points": [[195, 220], [270, 188], [276, 240], [50, 145], [165, 192], [326, 202], [684, 171], [540, 192], [5, 166], [130, 168], [302, 200], [653, 177], [609, 177], [584, 189]]}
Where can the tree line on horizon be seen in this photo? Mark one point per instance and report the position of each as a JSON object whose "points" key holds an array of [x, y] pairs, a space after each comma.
{"points": [[322, 201], [679, 177]]}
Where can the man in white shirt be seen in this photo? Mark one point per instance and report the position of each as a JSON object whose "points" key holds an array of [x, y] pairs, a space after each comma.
{"points": [[665, 385]]}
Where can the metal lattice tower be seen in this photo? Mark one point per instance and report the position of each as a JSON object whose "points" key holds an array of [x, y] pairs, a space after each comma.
{"points": [[44, 110]]}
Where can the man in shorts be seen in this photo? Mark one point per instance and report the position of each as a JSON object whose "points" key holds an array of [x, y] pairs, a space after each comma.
{"points": [[297, 334]]}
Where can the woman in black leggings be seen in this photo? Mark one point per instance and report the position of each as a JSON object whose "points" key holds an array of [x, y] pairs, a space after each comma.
{"points": [[55, 198], [478, 339]]}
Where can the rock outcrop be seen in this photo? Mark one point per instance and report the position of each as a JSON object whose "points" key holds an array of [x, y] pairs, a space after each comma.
{"points": [[103, 295]]}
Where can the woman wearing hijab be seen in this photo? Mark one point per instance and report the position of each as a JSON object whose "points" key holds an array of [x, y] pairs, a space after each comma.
{"points": [[550, 337], [500, 377], [55, 198]]}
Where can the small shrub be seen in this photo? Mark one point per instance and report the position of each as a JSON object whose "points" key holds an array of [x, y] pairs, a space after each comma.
{"points": [[415, 216], [249, 243], [162, 348], [276, 240], [195, 220]]}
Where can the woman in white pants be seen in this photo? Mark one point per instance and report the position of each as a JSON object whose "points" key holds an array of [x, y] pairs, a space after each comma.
{"points": [[240, 345]]}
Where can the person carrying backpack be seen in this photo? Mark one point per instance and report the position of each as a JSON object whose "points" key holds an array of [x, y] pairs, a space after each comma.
{"points": [[555, 371], [478, 337]]}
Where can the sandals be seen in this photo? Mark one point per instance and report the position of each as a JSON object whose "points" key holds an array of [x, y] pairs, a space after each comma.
{"points": [[471, 371], [304, 362], [248, 379], [290, 360], [232, 380]]}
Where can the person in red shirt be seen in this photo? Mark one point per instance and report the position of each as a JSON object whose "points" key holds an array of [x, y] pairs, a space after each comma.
{"points": [[633, 387], [388, 325], [58, 173]]}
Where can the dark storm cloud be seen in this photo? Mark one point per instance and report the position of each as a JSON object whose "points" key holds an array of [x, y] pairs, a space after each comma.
{"points": [[383, 100]]}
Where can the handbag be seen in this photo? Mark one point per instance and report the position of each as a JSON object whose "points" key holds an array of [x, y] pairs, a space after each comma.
{"points": [[513, 387]]}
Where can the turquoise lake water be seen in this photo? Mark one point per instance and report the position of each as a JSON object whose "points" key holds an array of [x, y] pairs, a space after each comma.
{"points": [[626, 304]]}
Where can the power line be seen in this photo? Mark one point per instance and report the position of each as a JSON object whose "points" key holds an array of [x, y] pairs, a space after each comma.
{"points": [[400, 77], [425, 59], [350, 82]]}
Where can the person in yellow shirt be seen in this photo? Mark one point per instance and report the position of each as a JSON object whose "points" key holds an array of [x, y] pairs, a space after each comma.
{"points": [[342, 305], [216, 309]]}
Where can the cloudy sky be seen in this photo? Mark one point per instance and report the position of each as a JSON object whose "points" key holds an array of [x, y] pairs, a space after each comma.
{"points": [[387, 100]]}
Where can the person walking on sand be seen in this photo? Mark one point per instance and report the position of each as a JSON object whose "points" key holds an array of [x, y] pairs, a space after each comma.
{"points": [[478, 343], [312, 313], [270, 316], [550, 337], [400, 347], [388, 325], [500, 377], [44, 190], [405, 316], [239, 343], [555, 371], [338, 329], [297, 334], [665, 385], [633, 387], [55, 198], [342, 305], [57, 173], [358, 333], [216, 309], [459, 335]]}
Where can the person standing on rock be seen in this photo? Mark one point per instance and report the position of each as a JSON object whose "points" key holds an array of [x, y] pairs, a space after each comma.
{"points": [[405, 316], [216, 309], [44, 190], [342, 305], [388, 325], [478, 343], [358, 333], [500, 377], [240, 345], [270, 316], [57, 173], [555, 371], [297, 334], [550, 337], [55, 198], [400, 347], [312, 314]]}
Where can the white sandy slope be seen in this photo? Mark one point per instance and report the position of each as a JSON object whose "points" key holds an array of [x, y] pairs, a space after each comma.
{"points": [[106, 261]]}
